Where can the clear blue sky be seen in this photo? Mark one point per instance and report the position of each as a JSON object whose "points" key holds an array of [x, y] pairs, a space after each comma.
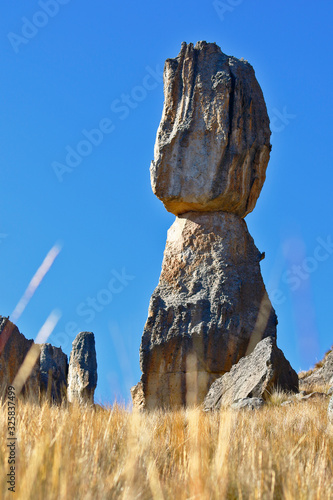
{"points": [[92, 65]]}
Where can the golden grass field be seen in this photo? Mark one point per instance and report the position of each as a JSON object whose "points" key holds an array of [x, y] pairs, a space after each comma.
{"points": [[113, 453]]}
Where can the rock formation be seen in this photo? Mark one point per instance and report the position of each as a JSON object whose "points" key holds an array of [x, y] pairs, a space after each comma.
{"points": [[50, 375], [213, 142], [13, 349], [82, 371], [210, 307], [322, 375], [53, 372], [254, 376], [209, 303]]}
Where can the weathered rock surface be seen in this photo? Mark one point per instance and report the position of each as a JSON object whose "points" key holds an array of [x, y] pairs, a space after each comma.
{"points": [[248, 404], [53, 372], [138, 397], [13, 349], [82, 371], [209, 309], [330, 410], [213, 142], [255, 375], [320, 376]]}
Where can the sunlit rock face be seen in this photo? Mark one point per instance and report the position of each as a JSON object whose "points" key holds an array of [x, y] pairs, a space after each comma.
{"points": [[209, 309], [213, 142], [13, 349], [82, 370]]}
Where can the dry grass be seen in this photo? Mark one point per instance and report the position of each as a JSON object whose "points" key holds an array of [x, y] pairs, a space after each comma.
{"points": [[76, 453]]}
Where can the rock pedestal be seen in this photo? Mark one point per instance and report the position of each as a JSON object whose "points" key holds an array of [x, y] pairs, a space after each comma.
{"points": [[210, 307]]}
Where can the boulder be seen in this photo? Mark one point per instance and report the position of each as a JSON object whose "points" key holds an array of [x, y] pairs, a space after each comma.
{"points": [[209, 309], [255, 375], [213, 142], [53, 372], [82, 370]]}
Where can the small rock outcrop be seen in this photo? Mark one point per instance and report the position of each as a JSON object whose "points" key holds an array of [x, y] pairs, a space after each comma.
{"points": [[138, 397], [13, 350], [53, 372], [210, 307], [82, 370], [320, 376], [254, 376], [213, 142]]}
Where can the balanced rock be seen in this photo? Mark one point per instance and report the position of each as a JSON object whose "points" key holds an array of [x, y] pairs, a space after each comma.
{"points": [[82, 370], [213, 142], [209, 309], [53, 372], [255, 375]]}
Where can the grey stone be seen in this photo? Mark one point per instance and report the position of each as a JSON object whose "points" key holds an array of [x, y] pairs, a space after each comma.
{"points": [[300, 395], [213, 142], [248, 404], [330, 391], [209, 309], [82, 371], [255, 375], [53, 372], [322, 375]]}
